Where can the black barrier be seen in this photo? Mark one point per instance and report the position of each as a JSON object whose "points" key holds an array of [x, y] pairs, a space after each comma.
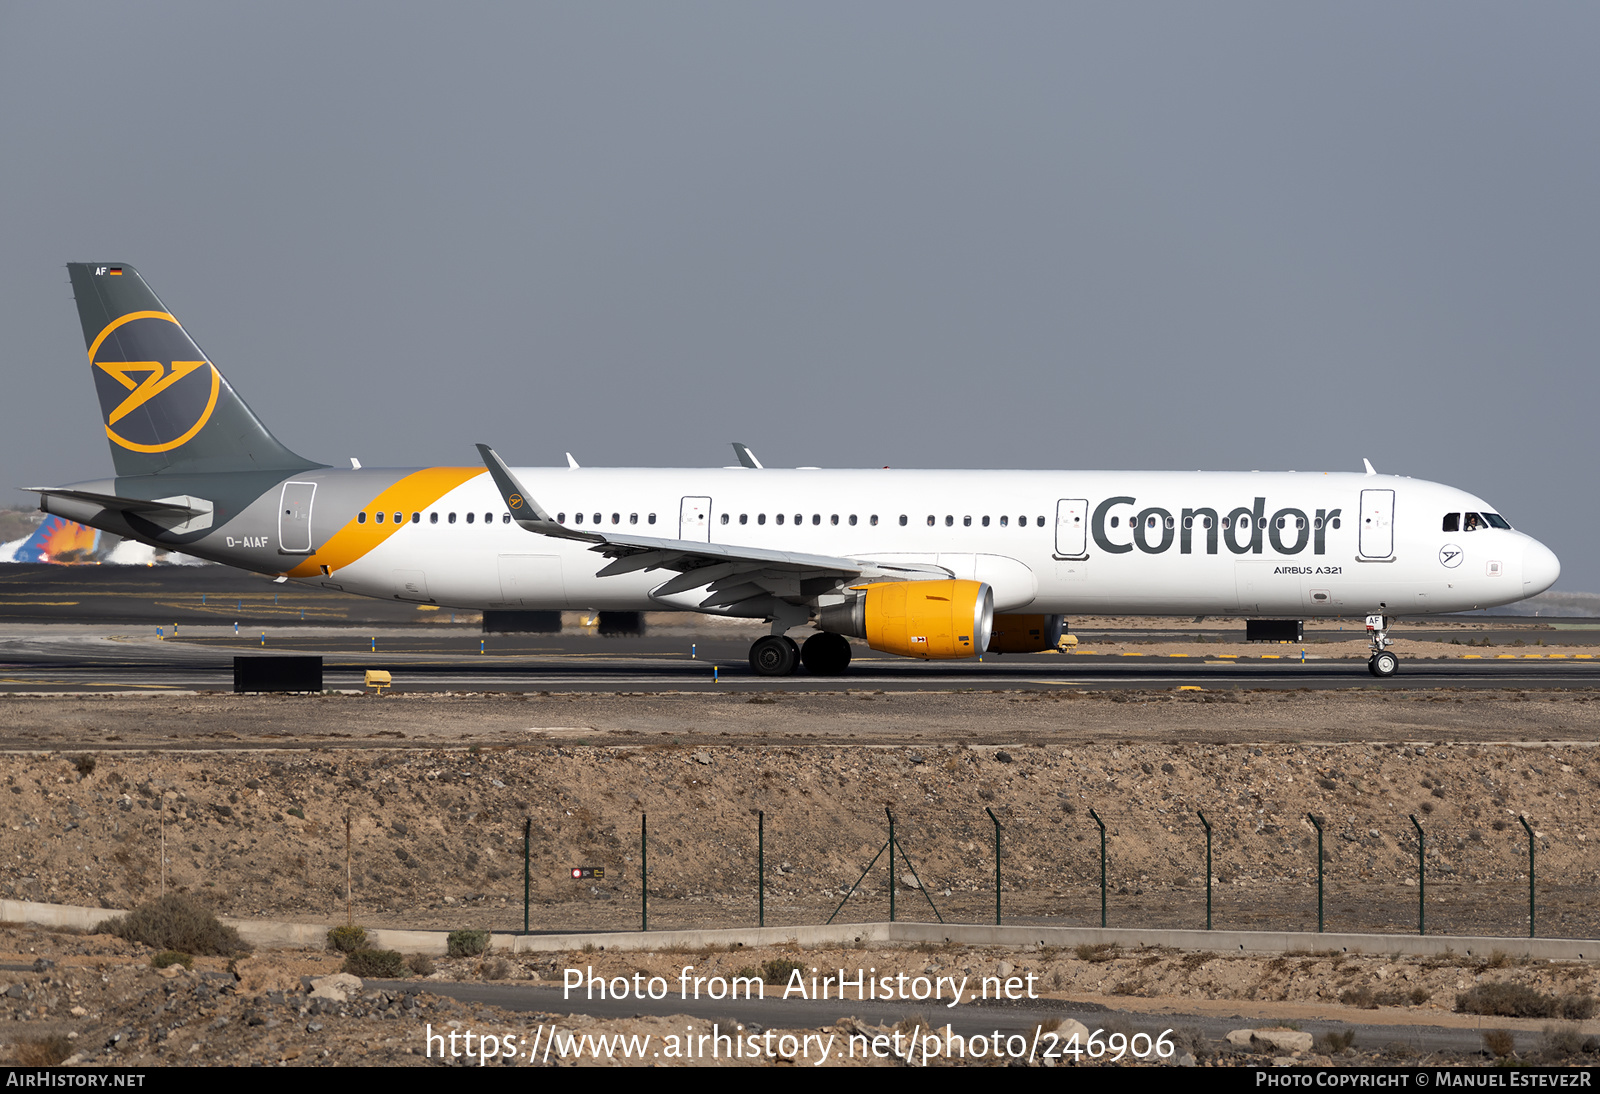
{"points": [[277, 674], [521, 622], [1273, 630]]}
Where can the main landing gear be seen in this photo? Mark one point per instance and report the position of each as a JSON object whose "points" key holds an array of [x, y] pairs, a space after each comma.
{"points": [[824, 654], [1382, 663]]}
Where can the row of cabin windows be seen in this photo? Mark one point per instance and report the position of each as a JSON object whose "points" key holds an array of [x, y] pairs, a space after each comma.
{"points": [[852, 520], [599, 518], [1452, 521], [1205, 522], [1473, 522], [433, 518]]}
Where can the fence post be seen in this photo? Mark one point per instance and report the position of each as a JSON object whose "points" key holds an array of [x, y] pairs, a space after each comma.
{"points": [[891, 862], [761, 867], [1315, 823], [1202, 815], [1525, 828], [996, 820], [644, 872], [1102, 825], [527, 832], [1422, 875]]}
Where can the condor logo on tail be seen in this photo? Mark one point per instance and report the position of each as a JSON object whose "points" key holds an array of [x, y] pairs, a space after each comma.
{"points": [[153, 398]]}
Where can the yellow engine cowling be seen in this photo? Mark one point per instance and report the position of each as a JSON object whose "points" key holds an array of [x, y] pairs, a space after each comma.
{"points": [[1026, 633], [933, 620]]}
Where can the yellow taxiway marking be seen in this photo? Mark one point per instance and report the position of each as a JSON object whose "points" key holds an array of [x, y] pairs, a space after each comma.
{"points": [[39, 603], [1230, 663]]}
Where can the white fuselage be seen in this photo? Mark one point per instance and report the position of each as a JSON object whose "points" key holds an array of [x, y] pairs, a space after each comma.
{"points": [[1057, 542]]}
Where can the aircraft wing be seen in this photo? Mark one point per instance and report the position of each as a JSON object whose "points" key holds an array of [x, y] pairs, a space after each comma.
{"points": [[732, 573]]}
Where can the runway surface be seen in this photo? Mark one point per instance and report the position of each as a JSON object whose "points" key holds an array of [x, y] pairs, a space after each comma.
{"points": [[104, 659]]}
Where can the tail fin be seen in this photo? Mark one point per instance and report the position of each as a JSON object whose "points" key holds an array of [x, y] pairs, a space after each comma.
{"points": [[166, 407]]}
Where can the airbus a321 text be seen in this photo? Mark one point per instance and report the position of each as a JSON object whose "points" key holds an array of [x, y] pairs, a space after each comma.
{"points": [[924, 564]]}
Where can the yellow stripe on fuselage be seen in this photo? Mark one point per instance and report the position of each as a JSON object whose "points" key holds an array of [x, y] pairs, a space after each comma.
{"points": [[412, 494]]}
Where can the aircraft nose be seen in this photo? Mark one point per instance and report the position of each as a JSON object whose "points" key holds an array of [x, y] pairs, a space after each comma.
{"points": [[1540, 568]]}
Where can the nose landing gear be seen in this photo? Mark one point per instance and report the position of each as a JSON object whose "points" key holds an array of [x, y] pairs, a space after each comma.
{"points": [[1382, 663]]}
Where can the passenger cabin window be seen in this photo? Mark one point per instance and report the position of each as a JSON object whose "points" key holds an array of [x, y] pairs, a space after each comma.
{"points": [[778, 518], [378, 517], [416, 518], [724, 518], [744, 518], [597, 518], [652, 518], [1004, 521], [505, 518], [452, 518], [873, 520], [761, 518], [816, 518], [930, 520], [361, 518], [966, 522], [633, 518], [852, 520], [561, 518], [902, 520], [470, 516], [433, 518], [577, 518], [799, 518]]}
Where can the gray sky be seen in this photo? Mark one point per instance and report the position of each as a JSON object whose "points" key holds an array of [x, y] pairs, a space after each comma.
{"points": [[1223, 236]]}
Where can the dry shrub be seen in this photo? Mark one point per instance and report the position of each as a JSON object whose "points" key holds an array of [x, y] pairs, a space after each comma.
{"points": [[347, 939], [1561, 1042], [384, 964], [1499, 1043], [913, 1024], [498, 969], [41, 1051], [176, 922], [1507, 1000], [1094, 954], [1333, 1044], [420, 964], [467, 943]]}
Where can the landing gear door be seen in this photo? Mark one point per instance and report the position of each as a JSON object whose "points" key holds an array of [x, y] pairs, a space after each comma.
{"points": [[1377, 524], [694, 519], [1072, 522], [294, 518]]}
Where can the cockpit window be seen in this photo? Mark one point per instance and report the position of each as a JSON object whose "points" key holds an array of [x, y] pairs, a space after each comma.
{"points": [[1473, 523], [1452, 522], [1497, 521]]}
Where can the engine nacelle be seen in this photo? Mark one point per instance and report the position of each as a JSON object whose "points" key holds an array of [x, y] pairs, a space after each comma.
{"points": [[1026, 633], [933, 620]]}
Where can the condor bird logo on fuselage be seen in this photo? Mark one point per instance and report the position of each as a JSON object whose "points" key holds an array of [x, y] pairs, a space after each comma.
{"points": [[152, 406]]}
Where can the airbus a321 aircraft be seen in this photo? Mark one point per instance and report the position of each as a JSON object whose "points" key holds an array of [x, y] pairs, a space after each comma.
{"points": [[925, 564]]}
